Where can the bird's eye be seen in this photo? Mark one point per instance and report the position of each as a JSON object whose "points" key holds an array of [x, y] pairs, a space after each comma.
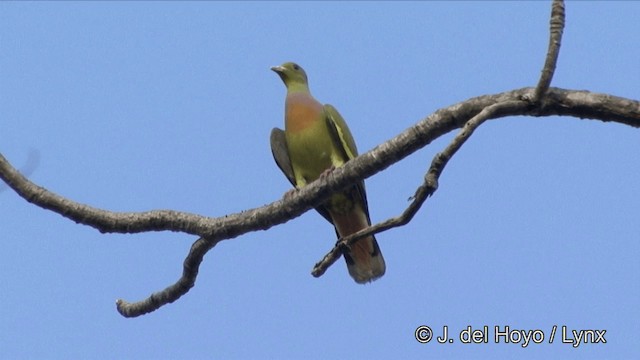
{"points": [[296, 67]]}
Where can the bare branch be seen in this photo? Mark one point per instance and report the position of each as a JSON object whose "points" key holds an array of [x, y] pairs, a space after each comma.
{"points": [[581, 104], [503, 106], [172, 293], [104, 221], [428, 187], [468, 115], [33, 159], [556, 25]]}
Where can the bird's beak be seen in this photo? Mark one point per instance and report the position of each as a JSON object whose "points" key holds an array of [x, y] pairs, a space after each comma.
{"points": [[278, 69]]}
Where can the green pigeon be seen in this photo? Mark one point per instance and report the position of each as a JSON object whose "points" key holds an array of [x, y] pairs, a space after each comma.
{"points": [[316, 140]]}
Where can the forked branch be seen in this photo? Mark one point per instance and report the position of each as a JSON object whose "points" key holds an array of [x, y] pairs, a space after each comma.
{"points": [[428, 187], [468, 115], [579, 104], [430, 184], [556, 28]]}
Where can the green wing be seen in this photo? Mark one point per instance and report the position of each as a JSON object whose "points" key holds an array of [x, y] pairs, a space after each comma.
{"points": [[340, 133], [343, 140]]}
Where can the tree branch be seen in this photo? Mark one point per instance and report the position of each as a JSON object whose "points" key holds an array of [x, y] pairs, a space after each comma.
{"points": [[468, 115], [191, 266], [33, 158], [103, 220], [556, 25], [581, 104]]}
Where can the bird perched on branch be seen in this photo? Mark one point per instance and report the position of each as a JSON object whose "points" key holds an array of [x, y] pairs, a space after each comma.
{"points": [[316, 140]]}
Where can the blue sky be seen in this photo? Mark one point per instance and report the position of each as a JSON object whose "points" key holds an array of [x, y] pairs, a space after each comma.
{"points": [[139, 106]]}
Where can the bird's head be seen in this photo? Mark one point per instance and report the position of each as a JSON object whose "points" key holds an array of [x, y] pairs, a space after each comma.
{"points": [[292, 75]]}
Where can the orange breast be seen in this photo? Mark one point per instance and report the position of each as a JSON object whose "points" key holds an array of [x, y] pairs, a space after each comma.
{"points": [[301, 110]]}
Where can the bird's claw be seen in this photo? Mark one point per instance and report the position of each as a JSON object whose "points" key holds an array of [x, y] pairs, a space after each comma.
{"points": [[290, 193], [326, 173]]}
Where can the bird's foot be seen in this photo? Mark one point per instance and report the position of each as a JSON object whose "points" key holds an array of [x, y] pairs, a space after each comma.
{"points": [[326, 173], [290, 193], [343, 246]]}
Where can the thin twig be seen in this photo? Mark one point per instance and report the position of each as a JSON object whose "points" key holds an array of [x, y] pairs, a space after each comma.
{"points": [[173, 292], [424, 191], [556, 25]]}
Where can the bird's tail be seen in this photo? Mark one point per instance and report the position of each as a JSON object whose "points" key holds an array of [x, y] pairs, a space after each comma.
{"points": [[365, 261]]}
